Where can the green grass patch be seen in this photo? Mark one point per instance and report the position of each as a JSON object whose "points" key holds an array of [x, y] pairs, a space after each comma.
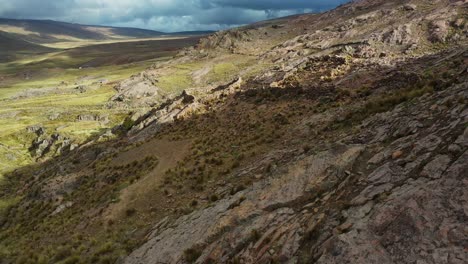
{"points": [[176, 81], [223, 71], [6, 203]]}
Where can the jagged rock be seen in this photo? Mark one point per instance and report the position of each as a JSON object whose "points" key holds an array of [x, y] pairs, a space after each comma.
{"points": [[88, 117], [73, 146], [81, 88], [139, 89], [462, 140], [439, 31], [454, 148], [36, 129], [459, 23], [54, 116], [410, 7], [40, 146], [397, 154], [229, 87], [224, 39], [62, 208], [399, 36], [436, 167], [186, 98]]}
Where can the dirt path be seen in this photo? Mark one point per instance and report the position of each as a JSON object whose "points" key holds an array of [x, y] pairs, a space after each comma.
{"points": [[138, 195]]}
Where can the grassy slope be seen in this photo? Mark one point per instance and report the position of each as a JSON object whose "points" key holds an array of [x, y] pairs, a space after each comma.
{"points": [[37, 87]]}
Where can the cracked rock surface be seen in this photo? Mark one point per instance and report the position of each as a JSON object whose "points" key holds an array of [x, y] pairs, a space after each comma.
{"points": [[352, 203]]}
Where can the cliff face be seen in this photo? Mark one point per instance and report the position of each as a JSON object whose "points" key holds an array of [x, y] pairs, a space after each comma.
{"points": [[323, 138]]}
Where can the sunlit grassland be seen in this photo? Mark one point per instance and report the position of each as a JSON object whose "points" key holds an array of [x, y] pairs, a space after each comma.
{"points": [[14, 138], [48, 85], [44, 77], [223, 69], [75, 43], [57, 96], [6, 203], [17, 30]]}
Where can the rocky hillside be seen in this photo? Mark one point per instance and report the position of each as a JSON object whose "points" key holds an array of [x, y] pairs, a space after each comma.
{"points": [[323, 138]]}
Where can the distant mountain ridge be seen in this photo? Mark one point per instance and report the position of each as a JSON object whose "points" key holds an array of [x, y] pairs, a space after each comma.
{"points": [[20, 37], [49, 31]]}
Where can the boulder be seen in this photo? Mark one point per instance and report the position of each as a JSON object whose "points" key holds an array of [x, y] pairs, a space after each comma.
{"points": [[36, 129], [399, 36], [438, 31], [410, 7], [89, 117], [459, 23]]}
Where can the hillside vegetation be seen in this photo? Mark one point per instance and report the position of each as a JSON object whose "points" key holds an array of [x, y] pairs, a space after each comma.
{"points": [[338, 137]]}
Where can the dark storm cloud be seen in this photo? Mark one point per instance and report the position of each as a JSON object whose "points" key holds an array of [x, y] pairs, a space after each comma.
{"points": [[274, 4], [164, 15], [22, 8]]}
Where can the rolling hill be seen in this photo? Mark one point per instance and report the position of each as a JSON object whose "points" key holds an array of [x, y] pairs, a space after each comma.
{"points": [[39, 36], [49, 31], [10, 47]]}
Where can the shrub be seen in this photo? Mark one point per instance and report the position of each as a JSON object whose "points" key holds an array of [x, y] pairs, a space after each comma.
{"points": [[107, 260], [105, 249], [72, 260], [237, 189], [255, 235], [130, 212], [128, 123], [214, 198], [192, 254], [62, 253]]}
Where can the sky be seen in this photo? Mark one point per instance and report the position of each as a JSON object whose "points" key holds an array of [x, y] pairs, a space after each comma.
{"points": [[162, 15]]}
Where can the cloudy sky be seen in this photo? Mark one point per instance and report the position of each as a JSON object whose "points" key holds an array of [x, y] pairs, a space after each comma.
{"points": [[162, 15]]}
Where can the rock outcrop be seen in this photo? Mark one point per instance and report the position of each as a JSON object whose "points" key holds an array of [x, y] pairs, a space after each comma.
{"points": [[439, 30], [140, 89], [44, 143], [89, 117]]}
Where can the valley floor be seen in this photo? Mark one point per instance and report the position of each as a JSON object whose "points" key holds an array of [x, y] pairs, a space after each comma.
{"points": [[65, 93]]}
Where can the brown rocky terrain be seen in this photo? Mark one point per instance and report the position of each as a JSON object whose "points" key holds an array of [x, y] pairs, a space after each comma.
{"points": [[341, 138]]}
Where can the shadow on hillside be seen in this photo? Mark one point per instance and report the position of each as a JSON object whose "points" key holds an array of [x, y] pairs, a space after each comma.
{"points": [[254, 93], [243, 126]]}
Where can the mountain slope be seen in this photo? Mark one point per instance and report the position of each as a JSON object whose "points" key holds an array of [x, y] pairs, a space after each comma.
{"points": [[11, 46], [49, 31], [46, 31], [35, 36], [320, 138]]}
